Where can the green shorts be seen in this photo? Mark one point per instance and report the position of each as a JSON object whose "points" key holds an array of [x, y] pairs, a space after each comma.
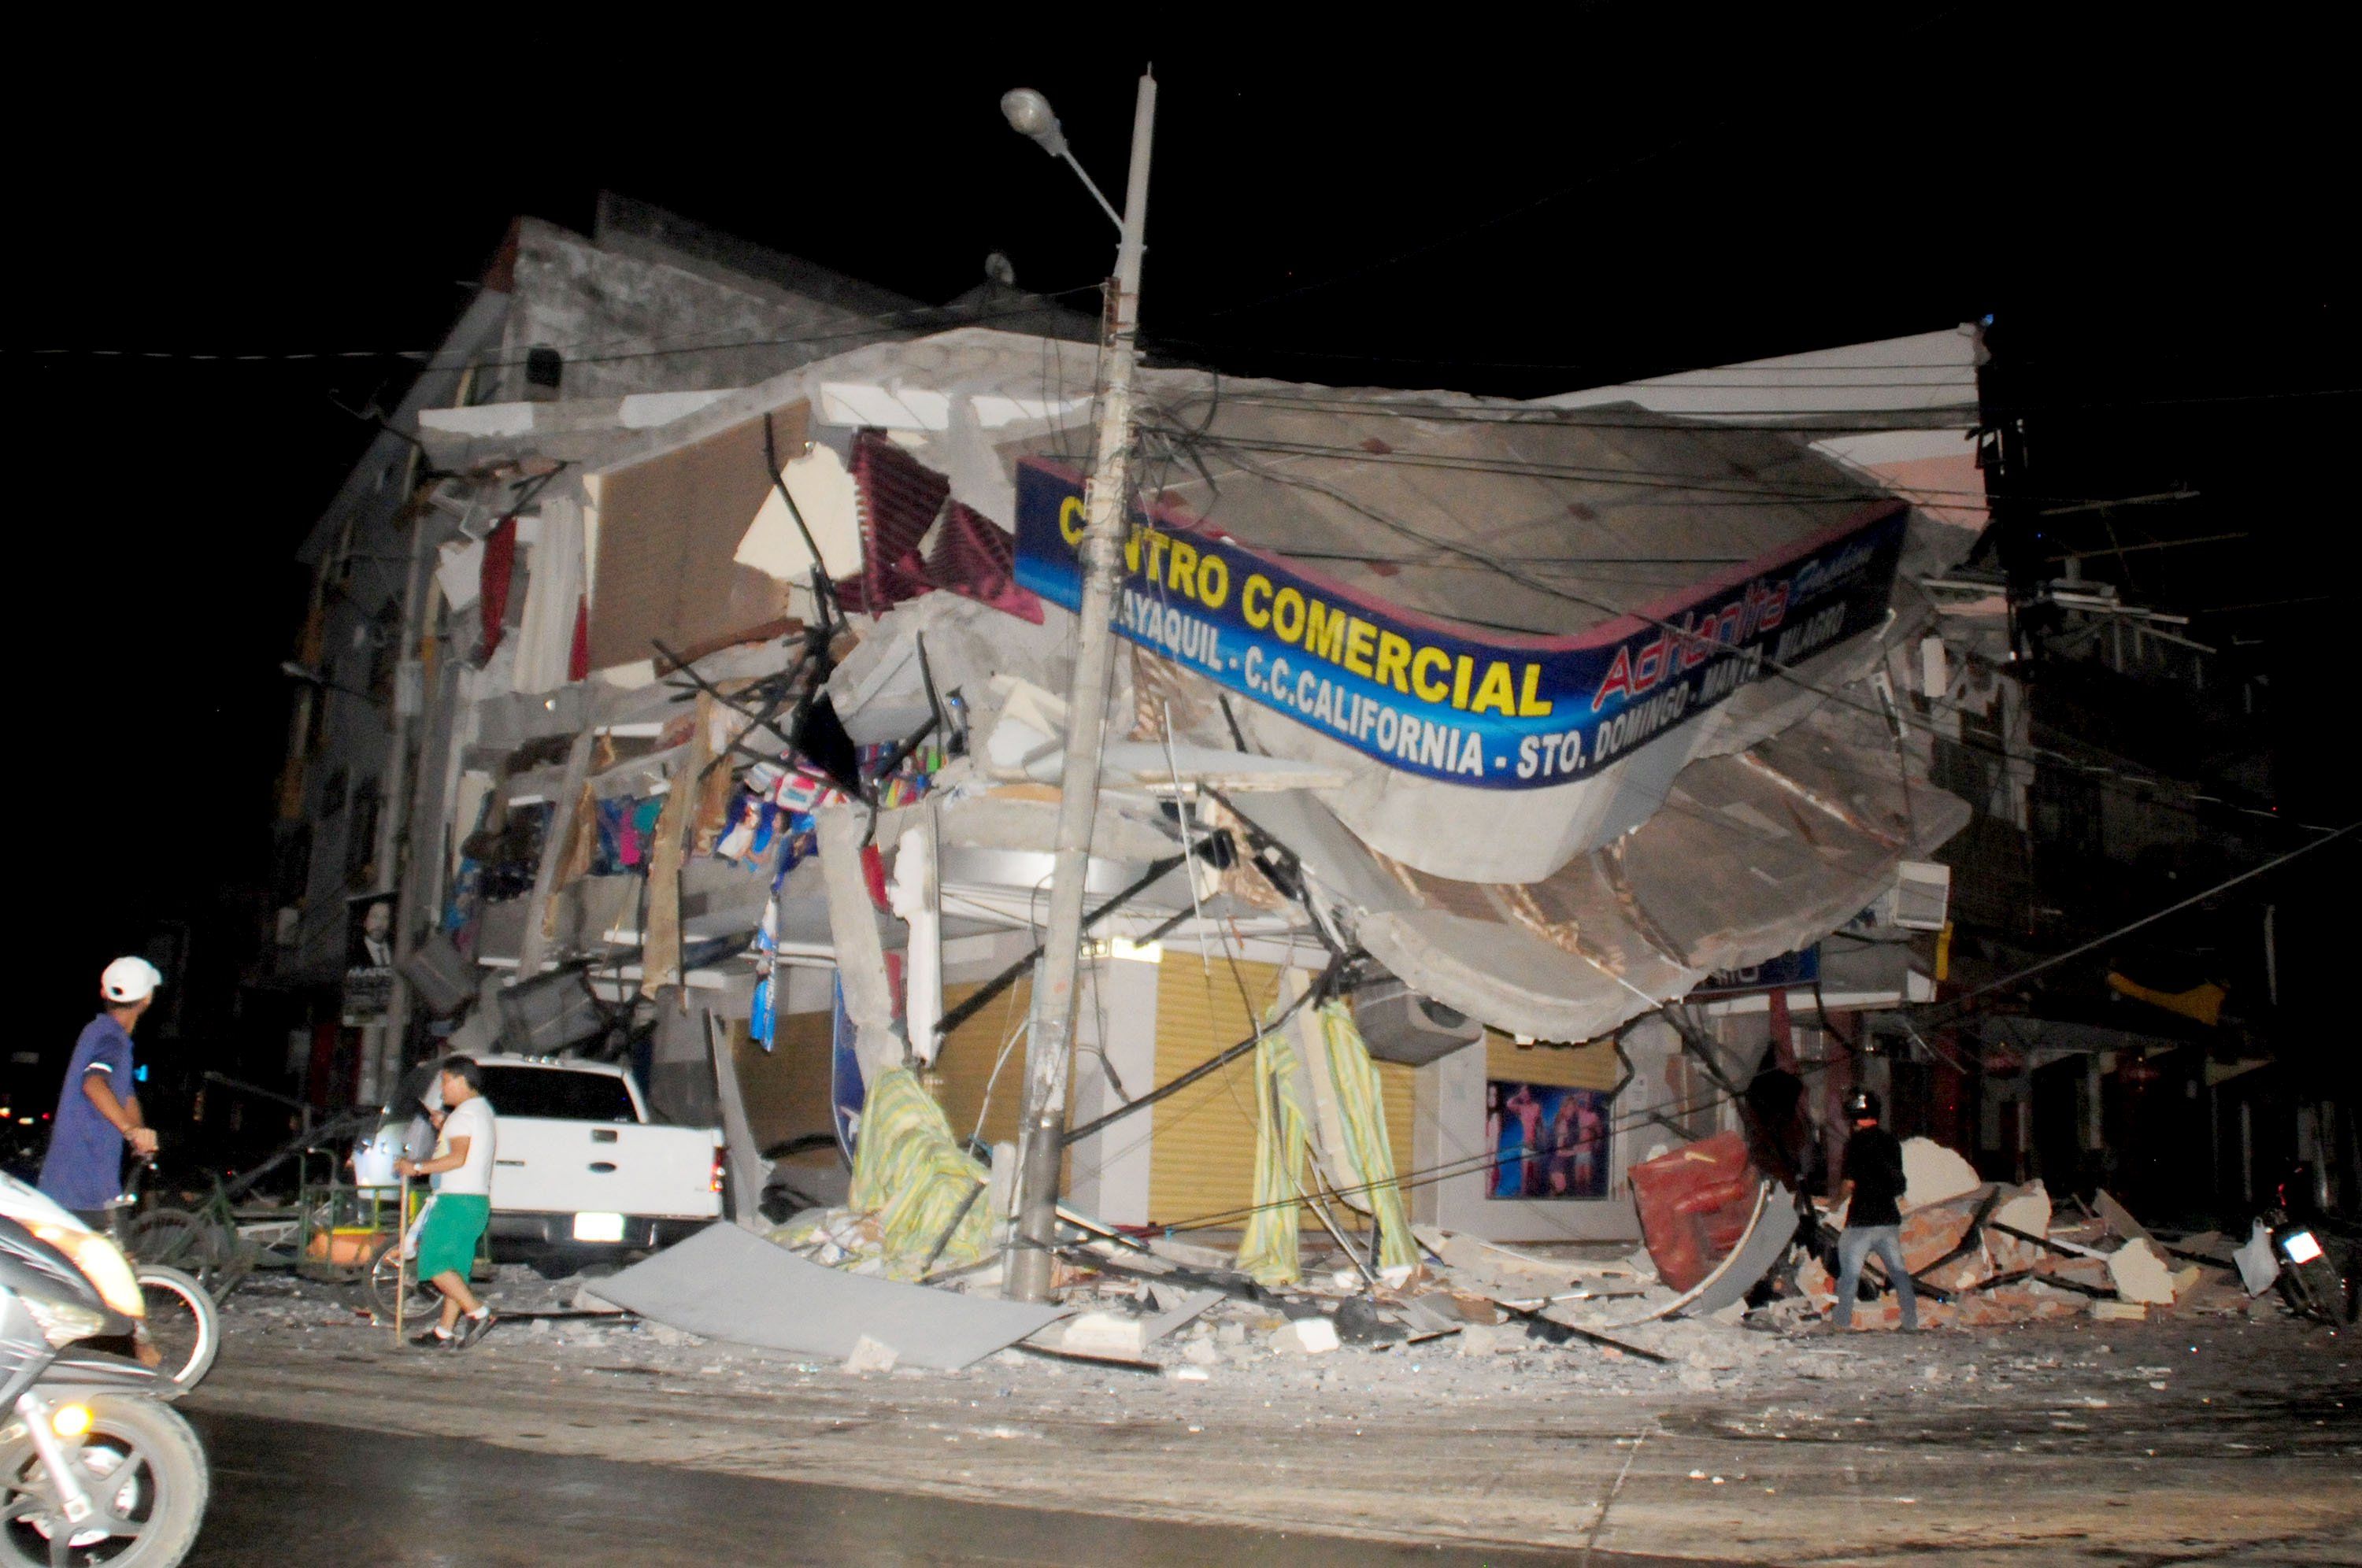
{"points": [[447, 1244]]}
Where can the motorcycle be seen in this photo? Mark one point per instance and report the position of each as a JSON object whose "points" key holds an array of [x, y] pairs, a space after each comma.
{"points": [[175, 1327], [93, 1466], [2292, 1247]]}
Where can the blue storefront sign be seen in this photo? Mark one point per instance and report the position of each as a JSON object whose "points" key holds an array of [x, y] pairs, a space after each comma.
{"points": [[1500, 713], [1802, 967]]}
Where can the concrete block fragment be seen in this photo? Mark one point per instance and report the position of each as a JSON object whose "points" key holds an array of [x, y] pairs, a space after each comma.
{"points": [[2029, 1211], [1478, 1339], [2119, 1311], [1931, 1172], [2140, 1274], [1306, 1336], [871, 1355], [1111, 1334], [2185, 1281]]}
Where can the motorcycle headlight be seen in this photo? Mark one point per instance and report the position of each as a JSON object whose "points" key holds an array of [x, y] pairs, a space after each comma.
{"points": [[62, 1322], [2300, 1246], [103, 1263]]}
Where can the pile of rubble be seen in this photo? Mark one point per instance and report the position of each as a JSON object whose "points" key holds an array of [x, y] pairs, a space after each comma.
{"points": [[832, 1284], [1998, 1255]]}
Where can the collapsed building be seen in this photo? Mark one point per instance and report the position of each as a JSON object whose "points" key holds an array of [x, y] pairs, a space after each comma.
{"points": [[1537, 750]]}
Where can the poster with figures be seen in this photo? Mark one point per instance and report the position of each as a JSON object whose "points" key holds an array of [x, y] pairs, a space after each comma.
{"points": [[1548, 1141]]}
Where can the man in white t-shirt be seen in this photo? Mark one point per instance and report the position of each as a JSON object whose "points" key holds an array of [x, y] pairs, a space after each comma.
{"points": [[462, 1204]]}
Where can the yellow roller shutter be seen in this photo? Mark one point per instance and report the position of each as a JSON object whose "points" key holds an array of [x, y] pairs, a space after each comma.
{"points": [[1592, 1067], [1396, 1086], [1202, 1159], [964, 1067]]}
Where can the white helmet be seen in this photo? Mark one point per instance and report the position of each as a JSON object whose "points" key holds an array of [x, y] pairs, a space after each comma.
{"points": [[128, 980]]}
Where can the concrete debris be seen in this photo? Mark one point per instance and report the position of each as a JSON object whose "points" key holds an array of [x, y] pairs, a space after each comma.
{"points": [[2029, 1211], [725, 1284], [2140, 1274], [871, 1355], [1109, 1334], [1305, 1336], [1179, 1311], [1480, 1338], [1983, 1255], [1932, 1174]]}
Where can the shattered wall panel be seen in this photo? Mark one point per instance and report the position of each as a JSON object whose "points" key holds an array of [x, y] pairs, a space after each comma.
{"points": [[668, 532]]}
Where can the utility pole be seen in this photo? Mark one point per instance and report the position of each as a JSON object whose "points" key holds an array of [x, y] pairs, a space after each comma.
{"points": [[1107, 503]]}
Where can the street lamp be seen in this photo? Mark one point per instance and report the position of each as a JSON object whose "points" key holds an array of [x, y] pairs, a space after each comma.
{"points": [[1107, 500], [1029, 116]]}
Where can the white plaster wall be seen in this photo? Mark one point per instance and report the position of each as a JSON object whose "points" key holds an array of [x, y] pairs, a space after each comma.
{"points": [[1118, 1017], [1448, 1128]]}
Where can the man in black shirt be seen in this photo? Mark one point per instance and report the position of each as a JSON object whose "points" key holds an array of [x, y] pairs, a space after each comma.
{"points": [[1871, 1191]]}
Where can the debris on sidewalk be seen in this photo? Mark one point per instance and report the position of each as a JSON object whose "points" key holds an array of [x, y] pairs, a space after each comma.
{"points": [[725, 1284]]}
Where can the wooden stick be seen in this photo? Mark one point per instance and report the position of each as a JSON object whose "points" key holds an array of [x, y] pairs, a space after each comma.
{"points": [[400, 1262]]}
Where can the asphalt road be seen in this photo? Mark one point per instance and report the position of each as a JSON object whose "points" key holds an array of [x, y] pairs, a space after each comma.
{"points": [[298, 1492], [2222, 1441]]}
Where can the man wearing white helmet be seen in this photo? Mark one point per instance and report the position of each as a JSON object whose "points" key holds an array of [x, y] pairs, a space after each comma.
{"points": [[98, 1108]]}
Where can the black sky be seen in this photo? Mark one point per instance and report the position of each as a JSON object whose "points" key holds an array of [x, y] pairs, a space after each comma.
{"points": [[1431, 198]]}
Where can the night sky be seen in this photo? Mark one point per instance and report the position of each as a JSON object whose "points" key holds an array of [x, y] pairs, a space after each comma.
{"points": [[1624, 191]]}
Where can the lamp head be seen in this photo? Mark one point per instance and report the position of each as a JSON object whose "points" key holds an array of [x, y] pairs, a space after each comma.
{"points": [[1029, 115]]}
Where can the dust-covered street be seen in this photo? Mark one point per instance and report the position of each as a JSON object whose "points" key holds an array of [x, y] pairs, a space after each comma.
{"points": [[2225, 1439]]}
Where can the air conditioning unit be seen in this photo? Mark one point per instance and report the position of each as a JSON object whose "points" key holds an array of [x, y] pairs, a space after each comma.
{"points": [[1400, 1025], [1923, 895]]}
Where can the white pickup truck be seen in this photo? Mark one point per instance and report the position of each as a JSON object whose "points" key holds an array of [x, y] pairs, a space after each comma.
{"points": [[579, 1171]]}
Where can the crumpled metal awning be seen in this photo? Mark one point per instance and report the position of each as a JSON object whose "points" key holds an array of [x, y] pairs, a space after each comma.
{"points": [[1755, 854]]}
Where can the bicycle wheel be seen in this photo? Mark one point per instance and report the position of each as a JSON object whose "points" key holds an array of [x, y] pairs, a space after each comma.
{"points": [[181, 1325], [423, 1297], [175, 1238]]}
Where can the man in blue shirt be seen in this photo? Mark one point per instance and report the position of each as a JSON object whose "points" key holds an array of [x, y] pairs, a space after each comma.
{"points": [[98, 1106]]}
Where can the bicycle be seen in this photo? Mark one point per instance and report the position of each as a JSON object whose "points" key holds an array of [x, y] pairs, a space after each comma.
{"points": [[180, 1334]]}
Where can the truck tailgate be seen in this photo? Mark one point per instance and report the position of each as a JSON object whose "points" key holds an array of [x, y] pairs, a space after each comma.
{"points": [[553, 1166]]}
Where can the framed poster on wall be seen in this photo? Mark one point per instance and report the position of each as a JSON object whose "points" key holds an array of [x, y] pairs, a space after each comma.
{"points": [[1548, 1141]]}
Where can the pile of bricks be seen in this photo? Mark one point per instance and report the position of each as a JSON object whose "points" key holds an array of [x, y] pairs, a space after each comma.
{"points": [[2108, 1265]]}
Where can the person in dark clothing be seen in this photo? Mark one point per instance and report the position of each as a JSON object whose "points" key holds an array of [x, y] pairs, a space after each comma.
{"points": [[1872, 1192]]}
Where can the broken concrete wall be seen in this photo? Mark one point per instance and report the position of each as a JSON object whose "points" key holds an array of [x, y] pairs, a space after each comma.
{"points": [[624, 289]]}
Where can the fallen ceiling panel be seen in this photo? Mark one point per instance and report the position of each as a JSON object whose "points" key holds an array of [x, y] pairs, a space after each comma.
{"points": [[724, 1283]]}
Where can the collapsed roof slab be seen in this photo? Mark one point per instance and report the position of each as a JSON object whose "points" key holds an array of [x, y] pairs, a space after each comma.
{"points": [[1762, 851], [1742, 865]]}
